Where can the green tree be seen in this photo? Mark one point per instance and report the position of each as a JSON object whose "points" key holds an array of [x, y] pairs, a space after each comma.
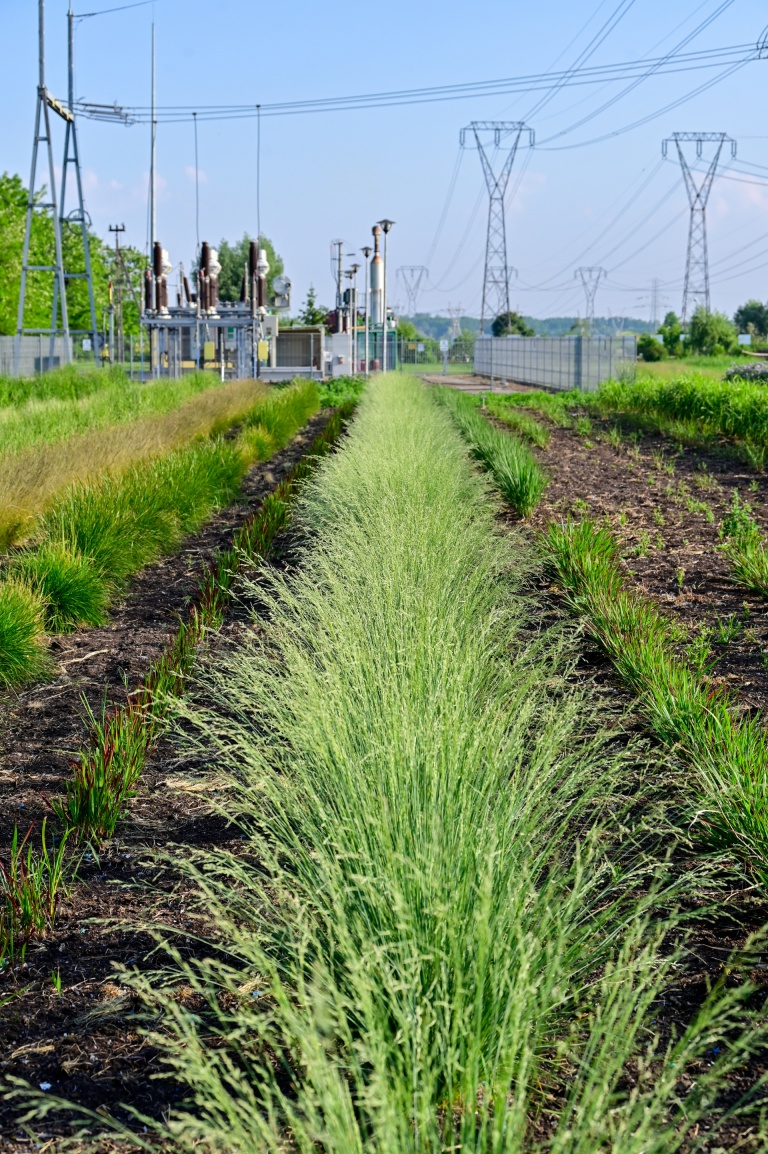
{"points": [[407, 330], [313, 313], [511, 323], [671, 334], [39, 295], [752, 317], [234, 257], [649, 348], [710, 333]]}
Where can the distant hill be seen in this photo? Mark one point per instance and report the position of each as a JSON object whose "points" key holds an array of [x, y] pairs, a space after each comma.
{"points": [[437, 327]]}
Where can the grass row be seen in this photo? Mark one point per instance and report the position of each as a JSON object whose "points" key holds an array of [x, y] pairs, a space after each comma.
{"points": [[688, 407], [106, 770], [727, 752], [513, 466], [437, 933], [100, 533], [32, 478]]}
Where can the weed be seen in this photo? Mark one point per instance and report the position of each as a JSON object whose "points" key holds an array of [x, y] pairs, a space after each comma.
{"points": [[56, 980], [728, 630], [695, 506], [744, 547], [659, 541], [622, 514], [680, 577], [583, 426], [754, 486], [643, 544], [658, 518], [699, 651], [613, 437], [29, 891]]}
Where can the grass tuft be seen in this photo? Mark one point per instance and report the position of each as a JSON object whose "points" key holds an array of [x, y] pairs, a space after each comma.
{"points": [[71, 587], [23, 654], [515, 470]]}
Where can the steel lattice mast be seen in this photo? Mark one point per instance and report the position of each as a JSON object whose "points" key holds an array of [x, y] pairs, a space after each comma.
{"points": [[496, 274], [696, 290], [590, 278], [412, 276]]}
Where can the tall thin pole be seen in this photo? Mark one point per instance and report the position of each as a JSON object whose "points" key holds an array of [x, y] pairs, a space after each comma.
{"points": [[71, 58], [386, 225], [258, 171], [197, 190], [41, 44], [152, 222], [366, 251]]}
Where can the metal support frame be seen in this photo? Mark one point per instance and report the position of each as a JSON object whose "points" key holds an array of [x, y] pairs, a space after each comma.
{"points": [[496, 273], [412, 276], [590, 279], [696, 290], [46, 104]]}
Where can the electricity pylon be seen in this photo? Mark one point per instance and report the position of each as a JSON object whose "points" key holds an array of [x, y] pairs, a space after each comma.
{"points": [[590, 279], [455, 313], [696, 290], [496, 274], [46, 104], [412, 276]]}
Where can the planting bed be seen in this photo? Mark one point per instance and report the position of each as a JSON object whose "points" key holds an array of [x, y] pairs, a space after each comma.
{"points": [[82, 1038], [418, 878], [665, 507]]}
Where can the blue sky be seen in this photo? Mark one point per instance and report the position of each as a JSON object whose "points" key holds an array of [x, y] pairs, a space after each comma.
{"points": [[332, 175]]}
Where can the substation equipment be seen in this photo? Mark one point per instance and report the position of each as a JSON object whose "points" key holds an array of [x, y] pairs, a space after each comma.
{"points": [[238, 339]]}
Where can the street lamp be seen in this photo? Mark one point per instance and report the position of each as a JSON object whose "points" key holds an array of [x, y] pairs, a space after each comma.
{"points": [[385, 226], [366, 250]]}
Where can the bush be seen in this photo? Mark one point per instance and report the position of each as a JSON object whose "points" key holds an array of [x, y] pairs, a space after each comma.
{"points": [[711, 333], [649, 348]]}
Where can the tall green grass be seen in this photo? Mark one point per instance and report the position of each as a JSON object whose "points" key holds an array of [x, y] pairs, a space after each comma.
{"points": [[745, 547], [98, 534], [64, 384], [434, 935], [737, 409], [727, 753], [513, 466], [51, 419]]}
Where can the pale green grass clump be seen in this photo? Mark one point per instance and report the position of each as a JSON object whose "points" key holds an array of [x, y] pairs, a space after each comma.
{"points": [[513, 466], [427, 940]]}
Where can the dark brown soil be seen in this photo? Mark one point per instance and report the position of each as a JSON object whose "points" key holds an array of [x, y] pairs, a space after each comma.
{"points": [[82, 1043], [666, 507]]}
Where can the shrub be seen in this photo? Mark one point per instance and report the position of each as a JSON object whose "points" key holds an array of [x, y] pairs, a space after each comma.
{"points": [[711, 333], [757, 373], [649, 348]]}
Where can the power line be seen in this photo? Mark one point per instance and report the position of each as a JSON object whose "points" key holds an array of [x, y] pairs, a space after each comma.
{"points": [[671, 63]]}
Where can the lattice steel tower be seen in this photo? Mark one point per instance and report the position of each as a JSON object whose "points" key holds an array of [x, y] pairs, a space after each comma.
{"points": [[46, 104], [496, 275], [590, 278], [696, 290], [412, 276]]}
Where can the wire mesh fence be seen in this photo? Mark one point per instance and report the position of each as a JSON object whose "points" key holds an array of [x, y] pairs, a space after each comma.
{"points": [[560, 363]]}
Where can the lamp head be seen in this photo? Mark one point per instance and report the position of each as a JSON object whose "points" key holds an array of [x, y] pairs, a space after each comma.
{"points": [[386, 225], [366, 250]]}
